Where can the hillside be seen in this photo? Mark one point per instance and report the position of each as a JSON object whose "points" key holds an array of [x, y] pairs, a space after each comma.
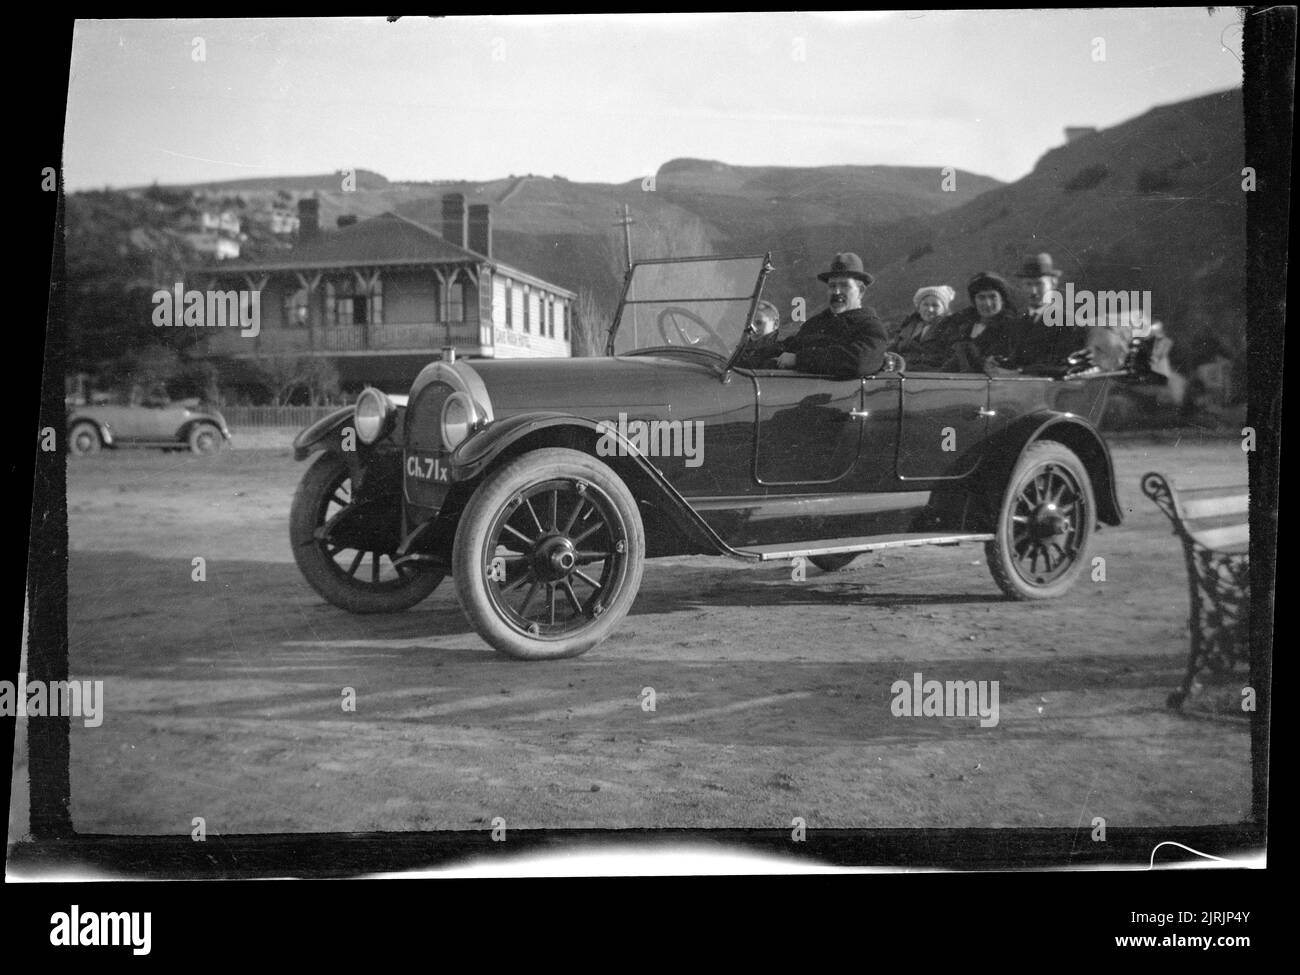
{"points": [[1152, 204], [565, 231]]}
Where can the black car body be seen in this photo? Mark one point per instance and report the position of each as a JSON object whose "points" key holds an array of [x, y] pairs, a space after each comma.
{"points": [[541, 485]]}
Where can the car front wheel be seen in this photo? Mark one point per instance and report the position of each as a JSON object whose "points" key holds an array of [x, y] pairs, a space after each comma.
{"points": [[548, 555], [84, 439], [1044, 523], [343, 558]]}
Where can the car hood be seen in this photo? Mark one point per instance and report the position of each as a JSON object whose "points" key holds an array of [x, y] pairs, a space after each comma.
{"points": [[589, 386]]}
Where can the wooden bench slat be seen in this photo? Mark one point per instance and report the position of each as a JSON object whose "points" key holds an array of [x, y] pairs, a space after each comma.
{"points": [[1233, 538], [1209, 490], [1211, 506]]}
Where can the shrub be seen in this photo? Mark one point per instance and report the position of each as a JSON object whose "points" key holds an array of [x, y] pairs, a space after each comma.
{"points": [[1087, 178], [1154, 180]]}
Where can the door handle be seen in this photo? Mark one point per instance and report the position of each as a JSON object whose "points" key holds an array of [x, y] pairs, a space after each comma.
{"points": [[860, 414], [983, 412]]}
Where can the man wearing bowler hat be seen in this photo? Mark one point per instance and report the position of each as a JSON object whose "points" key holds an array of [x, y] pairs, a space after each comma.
{"points": [[846, 339], [1038, 347]]}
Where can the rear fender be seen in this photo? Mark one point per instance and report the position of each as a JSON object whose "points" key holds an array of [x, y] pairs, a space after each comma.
{"points": [[183, 434], [1065, 428]]}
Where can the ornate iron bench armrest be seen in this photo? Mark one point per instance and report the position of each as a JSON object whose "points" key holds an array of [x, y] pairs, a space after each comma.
{"points": [[1213, 525]]}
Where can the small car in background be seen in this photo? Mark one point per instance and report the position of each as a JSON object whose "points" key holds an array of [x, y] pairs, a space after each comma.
{"points": [[156, 422]]}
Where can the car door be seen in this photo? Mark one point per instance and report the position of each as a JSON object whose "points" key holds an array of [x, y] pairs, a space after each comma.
{"points": [[944, 424], [125, 422], [808, 429]]}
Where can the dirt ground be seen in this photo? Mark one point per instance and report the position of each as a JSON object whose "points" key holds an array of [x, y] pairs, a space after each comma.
{"points": [[772, 697]]}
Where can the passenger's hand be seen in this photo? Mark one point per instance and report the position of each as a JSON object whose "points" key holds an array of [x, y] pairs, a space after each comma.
{"points": [[785, 360], [993, 368]]}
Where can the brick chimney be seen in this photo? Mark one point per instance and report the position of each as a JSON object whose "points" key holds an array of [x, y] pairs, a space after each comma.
{"points": [[454, 219], [308, 218], [480, 229]]}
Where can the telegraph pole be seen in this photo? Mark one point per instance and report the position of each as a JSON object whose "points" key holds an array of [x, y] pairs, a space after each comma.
{"points": [[626, 223]]}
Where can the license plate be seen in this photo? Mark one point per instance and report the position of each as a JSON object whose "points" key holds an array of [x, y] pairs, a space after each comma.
{"points": [[427, 469]]}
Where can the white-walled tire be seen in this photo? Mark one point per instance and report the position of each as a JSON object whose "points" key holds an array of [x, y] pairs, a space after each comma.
{"points": [[548, 555]]}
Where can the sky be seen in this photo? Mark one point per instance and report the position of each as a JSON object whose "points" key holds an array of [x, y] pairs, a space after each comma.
{"points": [[611, 98]]}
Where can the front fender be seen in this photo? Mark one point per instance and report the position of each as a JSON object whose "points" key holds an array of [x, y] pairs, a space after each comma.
{"points": [[106, 434], [323, 434], [1074, 432], [477, 454], [327, 434], [474, 456]]}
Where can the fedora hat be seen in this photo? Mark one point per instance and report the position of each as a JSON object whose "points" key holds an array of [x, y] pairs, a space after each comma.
{"points": [[846, 265], [1038, 266]]}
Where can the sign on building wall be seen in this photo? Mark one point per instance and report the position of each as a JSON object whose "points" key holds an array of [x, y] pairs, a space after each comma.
{"points": [[505, 336]]}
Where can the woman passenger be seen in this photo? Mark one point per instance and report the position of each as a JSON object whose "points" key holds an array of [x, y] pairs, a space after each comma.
{"points": [[986, 329], [924, 337]]}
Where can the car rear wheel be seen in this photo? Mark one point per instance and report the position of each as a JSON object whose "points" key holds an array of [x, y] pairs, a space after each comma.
{"points": [[1044, 523], [205, 439], [548, 555], [334, 554], [84, 439]]}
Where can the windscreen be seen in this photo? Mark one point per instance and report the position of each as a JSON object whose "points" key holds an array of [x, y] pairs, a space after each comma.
{"points": [[693, 304]]}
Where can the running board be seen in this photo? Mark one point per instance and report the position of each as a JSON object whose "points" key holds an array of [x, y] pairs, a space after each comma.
{"points": [[838, 546]]}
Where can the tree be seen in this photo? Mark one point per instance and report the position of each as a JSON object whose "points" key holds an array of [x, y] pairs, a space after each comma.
{"points": [[198, 377], [140, 372], [590, 325], [119, 251], [285, 374]]}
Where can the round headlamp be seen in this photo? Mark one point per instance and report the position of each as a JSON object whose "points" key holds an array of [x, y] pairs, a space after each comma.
{"points": [[373, 415], [459, 420]]}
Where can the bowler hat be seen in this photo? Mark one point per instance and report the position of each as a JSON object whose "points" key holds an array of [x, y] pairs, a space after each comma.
{"points": [[846, 265], [1038, 266]]}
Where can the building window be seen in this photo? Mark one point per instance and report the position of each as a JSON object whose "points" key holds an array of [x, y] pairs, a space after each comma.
{"points": [[510, 306], [295, 308], [345, 303], [456, 302], [528, 311], [377, 301]]}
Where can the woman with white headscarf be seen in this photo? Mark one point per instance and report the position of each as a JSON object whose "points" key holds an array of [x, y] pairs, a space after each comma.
{"points": [[924, 337]]}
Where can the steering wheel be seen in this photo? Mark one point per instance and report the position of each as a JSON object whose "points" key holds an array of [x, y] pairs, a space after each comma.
{"points": [[674, 311]]}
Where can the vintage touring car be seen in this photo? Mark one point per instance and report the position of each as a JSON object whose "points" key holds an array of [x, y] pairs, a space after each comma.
{"points": [[541, 486], [155, 422]]}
